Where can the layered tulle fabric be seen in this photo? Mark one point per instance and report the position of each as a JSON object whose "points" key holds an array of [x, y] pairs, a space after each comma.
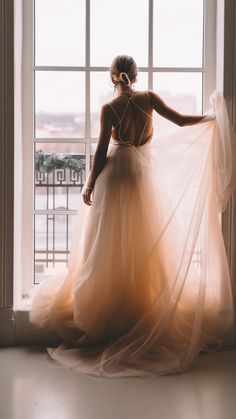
{"points": [[148, 284]]}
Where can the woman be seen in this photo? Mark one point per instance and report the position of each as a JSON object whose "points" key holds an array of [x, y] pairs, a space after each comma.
{"points": [[148, 285], [135, 126]]}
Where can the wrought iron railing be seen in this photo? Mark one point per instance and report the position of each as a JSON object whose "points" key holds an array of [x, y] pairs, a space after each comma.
{"points": [[58, 183]]}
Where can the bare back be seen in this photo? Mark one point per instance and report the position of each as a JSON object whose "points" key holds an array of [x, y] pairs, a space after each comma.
{"points": [[132, 118]]}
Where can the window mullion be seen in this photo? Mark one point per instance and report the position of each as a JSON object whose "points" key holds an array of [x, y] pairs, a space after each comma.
{"points": [[59, 140], [150, 46], [102, 69], [87, 89], [209, 57]]}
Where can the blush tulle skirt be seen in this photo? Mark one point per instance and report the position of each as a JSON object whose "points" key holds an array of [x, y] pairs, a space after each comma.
{"points": [[148, 285]]}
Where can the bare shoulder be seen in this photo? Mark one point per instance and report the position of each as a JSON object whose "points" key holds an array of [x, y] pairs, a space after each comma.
{"points": [[106, 107], [105, 110], [157, 102], [155, 98]]}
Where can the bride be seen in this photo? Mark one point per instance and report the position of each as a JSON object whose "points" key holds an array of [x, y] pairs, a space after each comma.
{"points": [[148, 285]]}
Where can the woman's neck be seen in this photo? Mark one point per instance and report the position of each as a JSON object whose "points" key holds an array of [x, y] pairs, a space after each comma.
{"points": [[122, 88]]}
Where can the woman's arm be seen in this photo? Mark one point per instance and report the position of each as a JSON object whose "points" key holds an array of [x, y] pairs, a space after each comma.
{"points": [[99, 160], [164, 110]]}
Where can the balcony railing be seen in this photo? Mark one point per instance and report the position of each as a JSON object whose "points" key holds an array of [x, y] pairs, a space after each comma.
{"points": [[59, 180]]}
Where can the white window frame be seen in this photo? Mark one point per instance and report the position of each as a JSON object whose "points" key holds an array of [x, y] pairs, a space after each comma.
{"points": [[24, 228]]}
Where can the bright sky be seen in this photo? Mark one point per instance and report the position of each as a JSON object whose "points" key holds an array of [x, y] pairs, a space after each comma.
{"points": [[116, 28]]}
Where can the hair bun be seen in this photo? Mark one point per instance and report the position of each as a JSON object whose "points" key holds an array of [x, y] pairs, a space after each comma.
{"points": [[125, 78], [123, 69]]}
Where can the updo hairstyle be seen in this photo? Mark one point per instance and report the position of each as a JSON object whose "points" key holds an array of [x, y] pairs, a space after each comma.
{"points": [[123, 70]]}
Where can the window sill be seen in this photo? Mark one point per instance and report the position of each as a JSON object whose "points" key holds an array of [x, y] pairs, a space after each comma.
{"points": [[23, 304], [16, 329]]}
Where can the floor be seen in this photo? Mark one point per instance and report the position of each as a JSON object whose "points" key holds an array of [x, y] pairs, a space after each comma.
{"points": [[32, 386]]}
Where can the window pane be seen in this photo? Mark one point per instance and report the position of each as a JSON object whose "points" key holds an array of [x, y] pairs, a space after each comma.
{"points": [[59, 175], [60, 32], [59, 104], [119, 28], [182, 91], [178, 33], [102, 91], [53, 234]]}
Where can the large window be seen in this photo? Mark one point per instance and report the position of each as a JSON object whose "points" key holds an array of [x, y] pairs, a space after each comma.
{"points": [[69, 45]]}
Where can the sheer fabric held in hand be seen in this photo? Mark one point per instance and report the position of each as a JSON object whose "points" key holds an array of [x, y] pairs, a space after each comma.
{"points": [[148, 284]]}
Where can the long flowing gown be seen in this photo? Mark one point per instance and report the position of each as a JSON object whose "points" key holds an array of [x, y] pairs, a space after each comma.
{"points": [[148, 285]]}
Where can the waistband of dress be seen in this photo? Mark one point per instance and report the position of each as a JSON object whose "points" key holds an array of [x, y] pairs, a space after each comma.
{"points": [[127, 143]]}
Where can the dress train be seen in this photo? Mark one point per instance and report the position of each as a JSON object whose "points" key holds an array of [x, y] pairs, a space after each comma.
{"points": [[148, 284]]}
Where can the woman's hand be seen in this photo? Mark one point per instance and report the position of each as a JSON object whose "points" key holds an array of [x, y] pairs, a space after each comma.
{"points": [[209, 116], [86, 194]]}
